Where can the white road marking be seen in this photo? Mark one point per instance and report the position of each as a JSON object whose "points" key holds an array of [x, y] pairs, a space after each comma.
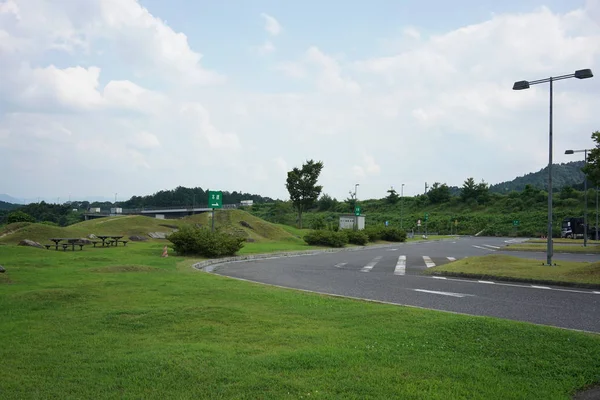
{"points": [[451, 258], [515, 285], [392, 249], [340, 265], [443, 293], [369, 266], [493, 247], [482, 248], [400, 266], [428, 262]]}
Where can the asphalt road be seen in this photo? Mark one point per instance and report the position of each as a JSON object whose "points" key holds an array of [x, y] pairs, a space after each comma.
{"points": [[392, 274]]}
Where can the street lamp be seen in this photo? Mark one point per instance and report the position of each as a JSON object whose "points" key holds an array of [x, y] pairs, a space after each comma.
{"points": [[520, 85], [355, 204], [401, 203], [585, 218]]}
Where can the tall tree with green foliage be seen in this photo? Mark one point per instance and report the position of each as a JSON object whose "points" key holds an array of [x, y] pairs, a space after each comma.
{"points": [[302, 186], [439, 193], [592, 169], [392, 196], [469, 190]]}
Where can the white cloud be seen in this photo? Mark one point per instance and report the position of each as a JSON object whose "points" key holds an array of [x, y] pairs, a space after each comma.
{"points": [[272, 26], [265, 48], [438, 109]]}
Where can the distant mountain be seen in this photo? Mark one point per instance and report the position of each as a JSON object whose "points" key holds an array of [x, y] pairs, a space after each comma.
{"points": [[567, 174], [9, 199]]}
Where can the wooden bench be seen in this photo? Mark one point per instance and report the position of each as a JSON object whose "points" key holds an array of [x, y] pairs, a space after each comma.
{"points": [[65, 245], [94, 242], [124, 242], [47, 246]]}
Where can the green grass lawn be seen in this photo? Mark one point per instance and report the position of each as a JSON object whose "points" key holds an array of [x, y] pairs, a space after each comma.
{"points": [[503, 266], [122, 322], [557, 246]]}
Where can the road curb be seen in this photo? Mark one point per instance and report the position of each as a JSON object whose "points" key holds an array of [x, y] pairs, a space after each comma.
{"points": [[520, 280]]}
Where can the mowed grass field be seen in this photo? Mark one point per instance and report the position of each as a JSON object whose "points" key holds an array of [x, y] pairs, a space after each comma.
{"points": [[123, 322]]}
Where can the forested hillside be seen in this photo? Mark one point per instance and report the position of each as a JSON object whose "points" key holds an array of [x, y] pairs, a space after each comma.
{"points": [[568, 174]]}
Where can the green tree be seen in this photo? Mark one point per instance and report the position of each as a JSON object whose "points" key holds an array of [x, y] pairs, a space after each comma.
{"points": [[302, 186], [483, 192], [592, 169], [392, 196], [439, 193], [19, 216], [469, 190], [326, 203]]}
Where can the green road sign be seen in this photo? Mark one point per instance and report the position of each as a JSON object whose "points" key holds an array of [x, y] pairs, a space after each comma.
{"points": [[215, 199], [516, 222], [357, 210], [426, 216]]}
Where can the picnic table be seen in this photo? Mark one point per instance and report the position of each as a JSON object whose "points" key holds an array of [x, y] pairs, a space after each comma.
{"points": [[70, 241], [114, 238]]}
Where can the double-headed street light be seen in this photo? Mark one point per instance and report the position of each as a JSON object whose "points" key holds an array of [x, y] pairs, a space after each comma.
{"points": [[520, 85], [585, 212]]}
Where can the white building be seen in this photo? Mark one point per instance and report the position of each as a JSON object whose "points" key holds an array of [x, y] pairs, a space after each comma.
{"points": [[349, 221]]}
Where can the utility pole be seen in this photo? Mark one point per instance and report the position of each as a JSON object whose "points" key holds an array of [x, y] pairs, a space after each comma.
{"points": [[426, 188]]}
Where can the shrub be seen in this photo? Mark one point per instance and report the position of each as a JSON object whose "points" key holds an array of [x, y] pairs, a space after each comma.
{"points": [[374, 233], [19, 216], [326, 238], [203, 242], [393, 235], [357, 237]]}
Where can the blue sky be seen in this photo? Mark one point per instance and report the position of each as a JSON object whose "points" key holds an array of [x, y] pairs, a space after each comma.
{"points": [[132, 97]]}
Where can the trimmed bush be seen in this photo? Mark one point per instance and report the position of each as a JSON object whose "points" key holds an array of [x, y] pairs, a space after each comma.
{"points": [[357, 237], [393, 235], [326, 238], [374, 233], [203, 242]]}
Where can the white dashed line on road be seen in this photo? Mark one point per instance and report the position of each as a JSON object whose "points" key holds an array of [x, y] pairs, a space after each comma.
{"points": [[488, 282], [443, 293], [482, 248], [451, 258], [340, 265], [540, 287], [369, 266], [400, 266], [428, 262]]}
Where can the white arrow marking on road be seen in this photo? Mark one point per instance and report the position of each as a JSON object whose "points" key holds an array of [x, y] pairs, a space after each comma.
{"points": [[400, 266], [443, 293], [340, 265], [428, 262], [451, 258], [369, 266]]}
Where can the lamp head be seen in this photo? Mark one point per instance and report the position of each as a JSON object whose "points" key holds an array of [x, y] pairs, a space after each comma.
{"points": [[569, 152], [520, 85], [583, 74]]}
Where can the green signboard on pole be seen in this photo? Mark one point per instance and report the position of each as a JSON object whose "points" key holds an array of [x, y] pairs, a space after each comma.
{"points": [[516, 222], [215, 199], [357, 210], [426, 216]]}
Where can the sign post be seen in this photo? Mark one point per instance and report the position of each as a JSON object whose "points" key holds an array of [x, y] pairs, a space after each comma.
{"points": [[516, 225], [356, 215], [426, 219], [215, 200]]}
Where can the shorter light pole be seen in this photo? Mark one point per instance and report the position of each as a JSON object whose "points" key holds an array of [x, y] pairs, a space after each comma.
{"points": [[402, 203], [596, 212], [585, 218]]}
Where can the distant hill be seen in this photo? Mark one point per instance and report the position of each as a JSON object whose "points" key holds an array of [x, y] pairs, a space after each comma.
{"points": [[567, 174]]}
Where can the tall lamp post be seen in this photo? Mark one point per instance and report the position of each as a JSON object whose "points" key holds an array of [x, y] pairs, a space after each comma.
{"points": [[401, 203], [355, 204], [521, 85], [585, 212]]}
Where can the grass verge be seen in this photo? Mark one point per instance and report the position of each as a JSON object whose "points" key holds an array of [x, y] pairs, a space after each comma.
{"points": [[514, 268], [126, 323], [558, 248]]}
